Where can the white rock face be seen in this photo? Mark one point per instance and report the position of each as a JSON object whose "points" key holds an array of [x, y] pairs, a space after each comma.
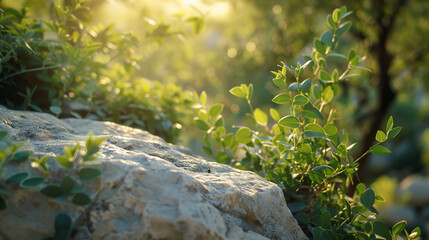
{"points": [[148, 189]]}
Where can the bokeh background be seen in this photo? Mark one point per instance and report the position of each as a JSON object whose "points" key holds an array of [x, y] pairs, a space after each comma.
{"points": [[180, 46]]}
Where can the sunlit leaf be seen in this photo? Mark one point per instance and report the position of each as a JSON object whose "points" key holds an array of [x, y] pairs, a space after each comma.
{"points": [[289, 122], [244, 135], [281, 98], [380, 150], [260, 117]]}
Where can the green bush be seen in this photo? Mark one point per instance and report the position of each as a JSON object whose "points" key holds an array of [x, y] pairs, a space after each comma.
{"points": [[69, 68], [304, 152]]}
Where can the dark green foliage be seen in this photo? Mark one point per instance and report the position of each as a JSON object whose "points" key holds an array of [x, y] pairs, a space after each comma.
{"points": [[303, 151], [57, 74]]}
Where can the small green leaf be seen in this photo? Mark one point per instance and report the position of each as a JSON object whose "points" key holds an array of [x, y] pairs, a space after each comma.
{"points": [[228, 140], [260, 117], [316, 176], [203, 97], [81, 199], [330, 129], [201, 124], [295, 207], [314, 130], [244, 135], [336, 15], [31, 182], [55, 110], [63, 224], [389, 125], [281, 98], [92, 146], [238, 92], [325, 76], [279, 82], [22, 155], [67, 185], [330, 21], [289, 122], [326, 37], [274, 114], [300, 100], [360, 188], [88, 173], [398, 228], [368, 198], [305, 86], [215, 110], [327, 94], [319, 46], [392, 133], [381, 137], [249, 92], [311, 112], [379, 150], [368, 227], [52, 191], [381, 229], [343, 28], [415, 233], [64, 162], [16, 178]]}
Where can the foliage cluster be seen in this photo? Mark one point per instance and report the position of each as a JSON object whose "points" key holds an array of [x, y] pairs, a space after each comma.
{"points": [[76, 162], [303, 151], [69, 68]]}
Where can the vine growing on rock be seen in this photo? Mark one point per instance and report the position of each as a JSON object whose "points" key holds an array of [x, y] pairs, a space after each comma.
{"points": [[76, 162], [303, 151]]}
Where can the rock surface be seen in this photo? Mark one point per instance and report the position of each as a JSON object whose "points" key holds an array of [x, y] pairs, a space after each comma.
{"points": [[148, 189]]}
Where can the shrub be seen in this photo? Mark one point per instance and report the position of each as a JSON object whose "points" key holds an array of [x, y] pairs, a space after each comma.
{"points": [[304, 152], [69, 68]]}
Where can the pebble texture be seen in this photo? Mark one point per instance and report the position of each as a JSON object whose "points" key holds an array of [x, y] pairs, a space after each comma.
{"points": [[149, 189]]}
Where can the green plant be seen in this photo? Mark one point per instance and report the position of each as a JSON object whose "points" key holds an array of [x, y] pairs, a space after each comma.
{"points": [[82, 70], [76, 161], [303, 151]]}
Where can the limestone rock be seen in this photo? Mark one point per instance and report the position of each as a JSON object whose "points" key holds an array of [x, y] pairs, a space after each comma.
{"points": [[148, 189]]}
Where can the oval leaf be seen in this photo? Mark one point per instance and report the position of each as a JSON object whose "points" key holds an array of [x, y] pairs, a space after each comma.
{"points": [[244, 135], [215, 110], [62, 225], [67, 184], [300, 100], [381, 137], [289, 122], [81, 199], [52, 191], [22, 155], [281, 98], [201, 124], [380, 150], [16, 178], [260, 117], [368, 198], [89, 173], [238, 92], [31, 182]]}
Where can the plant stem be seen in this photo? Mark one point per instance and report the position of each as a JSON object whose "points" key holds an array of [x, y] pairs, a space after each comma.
{"points": [[27, 71]]}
